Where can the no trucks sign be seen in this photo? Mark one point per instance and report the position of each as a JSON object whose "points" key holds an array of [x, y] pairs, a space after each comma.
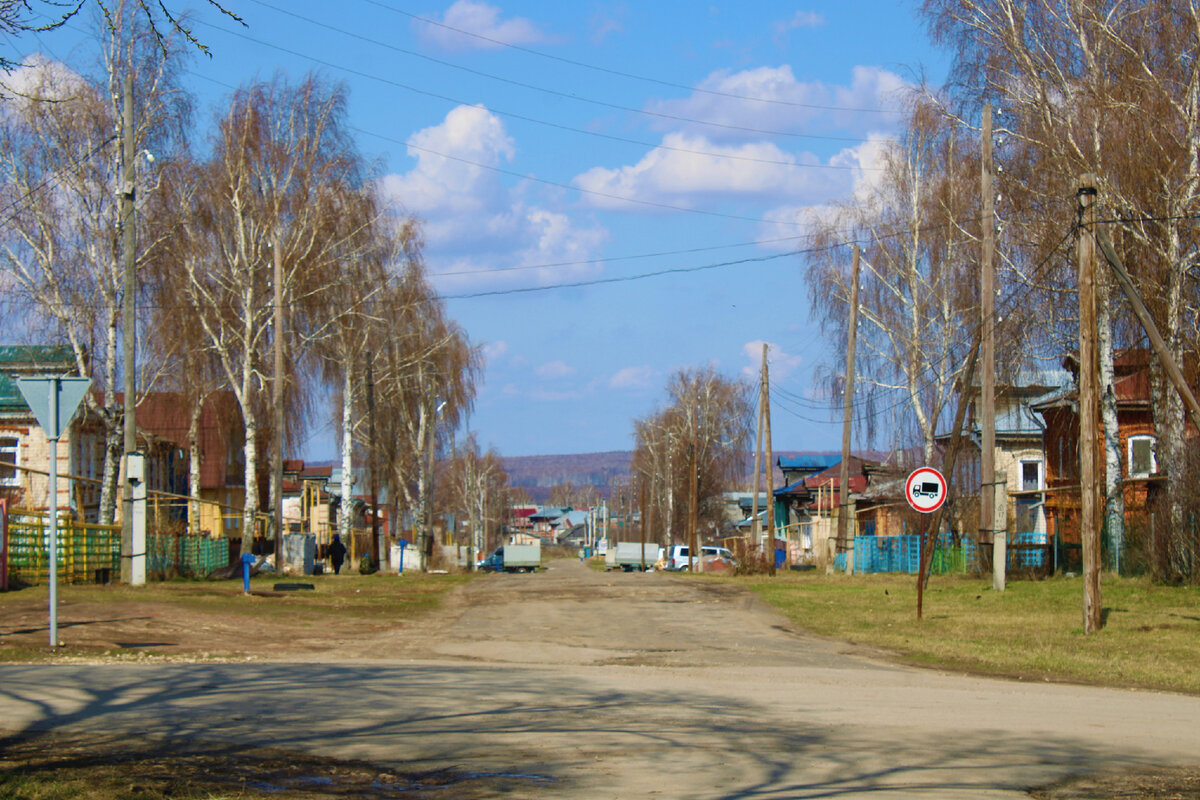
{"points": [[925, 489]]}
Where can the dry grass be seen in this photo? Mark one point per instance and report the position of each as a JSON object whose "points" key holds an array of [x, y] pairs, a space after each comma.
{"points": [[55, 766], [1031, 631]]}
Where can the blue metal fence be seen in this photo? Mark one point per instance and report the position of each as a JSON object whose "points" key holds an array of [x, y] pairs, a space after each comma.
{"points": [[876, 554]]}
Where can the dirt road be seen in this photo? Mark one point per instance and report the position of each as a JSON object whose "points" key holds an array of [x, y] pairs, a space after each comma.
{"points": [[570, 683]]}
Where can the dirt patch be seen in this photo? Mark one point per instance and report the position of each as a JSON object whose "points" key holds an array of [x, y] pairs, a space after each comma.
{"points": [[1157, 784], [100, 768], [342, 616]]}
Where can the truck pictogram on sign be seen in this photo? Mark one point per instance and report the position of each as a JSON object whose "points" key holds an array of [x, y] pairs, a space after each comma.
{"points": [[925, 489]]}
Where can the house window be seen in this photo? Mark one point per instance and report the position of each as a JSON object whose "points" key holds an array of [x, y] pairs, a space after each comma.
{"points": [[1031, 476], [8, 455], [1141, 456]]}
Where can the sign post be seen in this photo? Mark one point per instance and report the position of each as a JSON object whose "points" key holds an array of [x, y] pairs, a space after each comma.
{"points": [[54, 402]]}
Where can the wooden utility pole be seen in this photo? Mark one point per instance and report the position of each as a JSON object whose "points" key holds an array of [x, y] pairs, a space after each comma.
{"points": [[642, 517], [987, 390], [277, 402], [693, 505], [1089, 488], [770, 548], [844, 532], [129, 548], [929, 539]]}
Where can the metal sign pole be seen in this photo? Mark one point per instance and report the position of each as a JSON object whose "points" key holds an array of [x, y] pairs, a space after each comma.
{"points": [[42, 396], [53, 505]]}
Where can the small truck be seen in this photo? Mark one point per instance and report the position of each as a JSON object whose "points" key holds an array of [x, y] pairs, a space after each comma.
{"points": [[629, 556], [514, 558]]}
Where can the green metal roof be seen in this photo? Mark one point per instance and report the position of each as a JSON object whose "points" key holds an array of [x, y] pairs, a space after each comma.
{"points": [[30, 359]]}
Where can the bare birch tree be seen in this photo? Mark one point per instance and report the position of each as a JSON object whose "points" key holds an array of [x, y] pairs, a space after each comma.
{"points": [[1109, 87], [62, 248], [282, 168], [917, 225]]}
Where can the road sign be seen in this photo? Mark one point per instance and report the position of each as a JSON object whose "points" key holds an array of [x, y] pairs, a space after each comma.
{"points": [[54, 401], [925, 489]]}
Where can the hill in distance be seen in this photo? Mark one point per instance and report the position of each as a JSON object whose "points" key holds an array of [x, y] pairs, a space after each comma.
{"points": [[538, 475]]}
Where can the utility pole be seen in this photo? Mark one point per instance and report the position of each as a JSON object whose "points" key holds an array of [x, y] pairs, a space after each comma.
{"points": [[1089, 500], [642, 517], [988, 488], [770, 548], [693, 504], [376, 544], [277, 400], [133, 536], [844, 533], [754, 526]]}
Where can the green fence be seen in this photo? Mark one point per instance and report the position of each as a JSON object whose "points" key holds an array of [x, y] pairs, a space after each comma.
{"points": [[186, 554], [89, 553], [86, 552]]}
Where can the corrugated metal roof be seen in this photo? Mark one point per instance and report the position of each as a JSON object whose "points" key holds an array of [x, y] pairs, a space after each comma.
{"points": [[816, 461], [30, 359]]}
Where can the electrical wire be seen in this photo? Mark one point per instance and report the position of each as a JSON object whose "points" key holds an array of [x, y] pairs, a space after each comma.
{"points": [[554, 92], [526, 118], [634, 76]]}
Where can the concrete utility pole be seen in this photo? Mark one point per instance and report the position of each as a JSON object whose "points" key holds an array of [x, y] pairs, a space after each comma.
{"points": [[1089, 488], [844, 532], [989, 488], [277, 401], [376, 544], [133, 537], [770, 549]]}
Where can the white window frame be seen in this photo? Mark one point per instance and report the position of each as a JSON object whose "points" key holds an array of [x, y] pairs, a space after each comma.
{"points": [[1153, 455], [15, 479], [1041, 473]]}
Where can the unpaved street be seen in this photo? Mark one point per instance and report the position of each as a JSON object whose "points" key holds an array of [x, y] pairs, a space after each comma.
{"points": [[570, 683]]}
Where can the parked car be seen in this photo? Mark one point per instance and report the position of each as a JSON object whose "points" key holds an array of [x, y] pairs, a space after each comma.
{"points": [[677, 556]]}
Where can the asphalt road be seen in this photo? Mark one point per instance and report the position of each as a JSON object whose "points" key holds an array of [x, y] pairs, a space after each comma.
{"points": [[570, 683]]}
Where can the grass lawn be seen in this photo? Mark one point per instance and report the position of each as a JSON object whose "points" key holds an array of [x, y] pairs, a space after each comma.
{"points": [[1031, 631]]}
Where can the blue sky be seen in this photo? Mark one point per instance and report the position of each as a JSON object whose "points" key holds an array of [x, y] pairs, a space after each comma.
{"points": [[565, 152]]}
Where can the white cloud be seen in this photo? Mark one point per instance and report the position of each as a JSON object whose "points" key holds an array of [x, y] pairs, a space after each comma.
{"points": [[801, 19], [482, 20], [780, 362], [41, 78], [795, 105], [555, 369], [632, 378], [864, 161], [493, 351], [603, 23], [472, 220], [689, 168]]}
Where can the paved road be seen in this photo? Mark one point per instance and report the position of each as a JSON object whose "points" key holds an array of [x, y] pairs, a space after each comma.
{"points": [[584, 685]]}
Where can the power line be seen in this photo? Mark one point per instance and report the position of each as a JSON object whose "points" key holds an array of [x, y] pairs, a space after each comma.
{"points": [[554, 92], [535, 120], [633, 76]]}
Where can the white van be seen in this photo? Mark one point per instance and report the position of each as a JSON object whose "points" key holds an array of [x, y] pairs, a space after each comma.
{"points": [[677, 556]]}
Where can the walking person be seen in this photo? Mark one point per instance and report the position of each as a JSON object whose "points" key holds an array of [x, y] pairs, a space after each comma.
{"points": [[337, 553]]}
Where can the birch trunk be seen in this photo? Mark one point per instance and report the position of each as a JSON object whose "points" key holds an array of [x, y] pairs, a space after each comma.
{"points": [[1114, 504], [194, 467]]}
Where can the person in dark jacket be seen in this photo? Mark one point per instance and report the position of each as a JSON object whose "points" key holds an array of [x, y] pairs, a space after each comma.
{"points": [[337, 553]]}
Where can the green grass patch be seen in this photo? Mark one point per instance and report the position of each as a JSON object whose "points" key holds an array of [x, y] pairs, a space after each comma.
{"points": [[1031, 631]]}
